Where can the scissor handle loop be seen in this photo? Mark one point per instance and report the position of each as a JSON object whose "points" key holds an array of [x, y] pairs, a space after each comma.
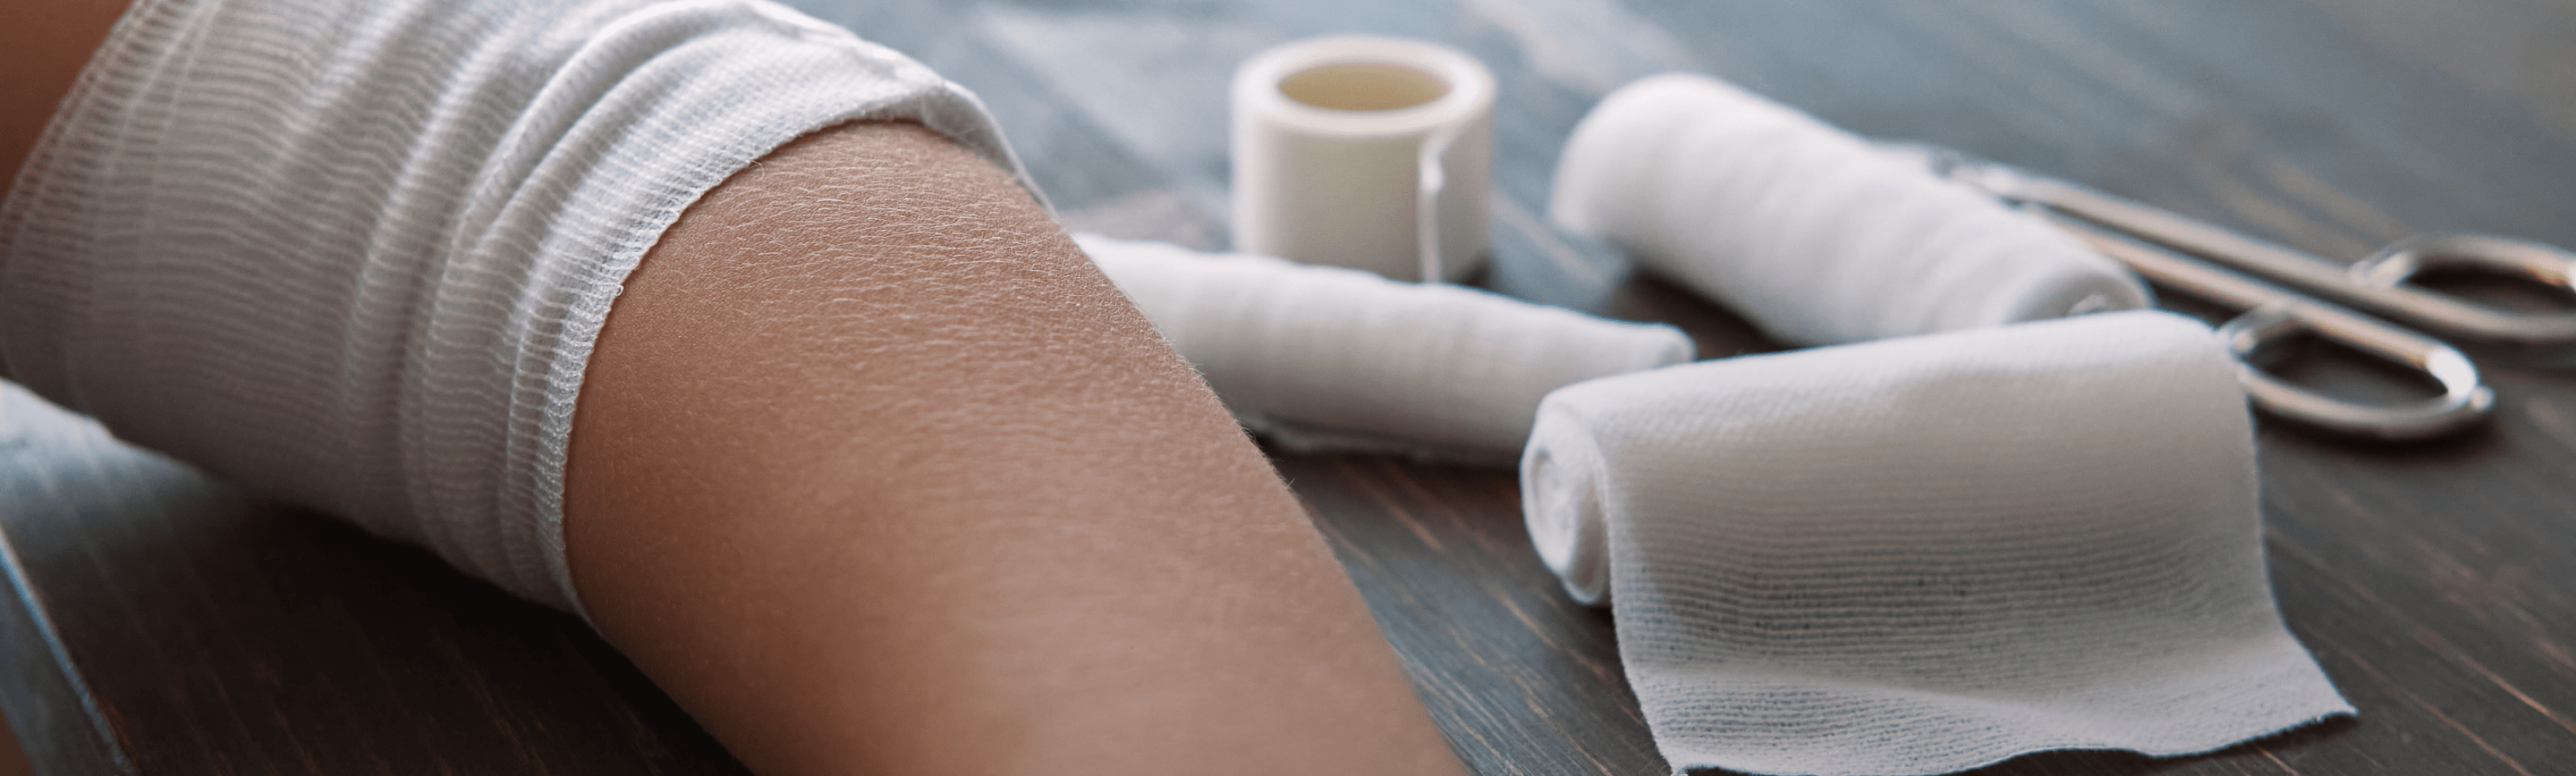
{"points": [[2400, 262], [2464, 400]]}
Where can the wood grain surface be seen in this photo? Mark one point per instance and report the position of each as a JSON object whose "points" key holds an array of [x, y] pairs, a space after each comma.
{"points": [[164, 623]]}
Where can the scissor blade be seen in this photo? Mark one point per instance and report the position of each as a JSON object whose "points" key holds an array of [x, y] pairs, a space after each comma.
{"points": [[2351, 285], [2111, 226], [2237, 291]]}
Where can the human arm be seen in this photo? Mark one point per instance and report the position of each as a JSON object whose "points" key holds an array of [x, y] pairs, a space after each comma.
{"points": [[41, 53], [787, 693], [875, 473]]}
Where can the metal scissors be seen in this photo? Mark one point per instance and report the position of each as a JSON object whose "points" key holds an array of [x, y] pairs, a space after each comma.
{"points": [[2150, 241]]}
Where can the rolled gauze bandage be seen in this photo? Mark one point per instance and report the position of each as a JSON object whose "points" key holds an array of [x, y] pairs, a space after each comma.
{"points": [[1924, 555], [1343, 144], [1814, 234], [1325, 358]]}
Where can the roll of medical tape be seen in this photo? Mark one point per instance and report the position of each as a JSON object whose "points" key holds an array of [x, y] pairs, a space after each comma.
{"points": [[1330, 137]]}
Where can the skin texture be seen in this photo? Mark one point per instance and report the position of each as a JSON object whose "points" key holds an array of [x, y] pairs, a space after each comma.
{"points": [[875, 473], [42, 48]]}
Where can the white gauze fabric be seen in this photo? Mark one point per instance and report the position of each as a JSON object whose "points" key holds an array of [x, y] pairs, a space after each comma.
{"points": [[1324, 358], [1812, 233], [354, 254], [1923, 555]]}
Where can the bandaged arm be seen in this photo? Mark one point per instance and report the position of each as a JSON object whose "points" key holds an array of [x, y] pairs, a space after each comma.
{"points": [[870, 470]]}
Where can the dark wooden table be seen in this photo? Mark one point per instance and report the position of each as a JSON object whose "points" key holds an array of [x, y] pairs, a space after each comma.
{"points": [[167, 624]]}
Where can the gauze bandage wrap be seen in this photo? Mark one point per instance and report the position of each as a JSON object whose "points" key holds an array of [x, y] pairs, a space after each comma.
{"points": [[1924, 555], [1325, 358], [1812, 233], [354, 254]]}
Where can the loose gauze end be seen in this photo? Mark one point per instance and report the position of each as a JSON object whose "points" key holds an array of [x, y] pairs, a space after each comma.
{"points": [[1928, 554], [1366, 152], [1325, 358], [1814, 234]]}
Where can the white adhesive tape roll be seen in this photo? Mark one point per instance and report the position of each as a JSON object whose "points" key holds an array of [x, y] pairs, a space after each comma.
{"points": [[1343, 144]]}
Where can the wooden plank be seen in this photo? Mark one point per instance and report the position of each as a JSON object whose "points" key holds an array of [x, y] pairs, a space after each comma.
{"points": [[220, 633], [41, 689]]}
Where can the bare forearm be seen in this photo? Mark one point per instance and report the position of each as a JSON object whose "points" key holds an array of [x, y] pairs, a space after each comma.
{"points": [[874, 473]]}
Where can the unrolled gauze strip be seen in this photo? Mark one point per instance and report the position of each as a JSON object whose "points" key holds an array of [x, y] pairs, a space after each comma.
{"points": [[1924, 555], [1811, 232], [1325, 358]]}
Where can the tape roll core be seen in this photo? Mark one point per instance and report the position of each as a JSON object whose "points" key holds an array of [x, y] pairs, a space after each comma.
{"points": [[1363, 86]]}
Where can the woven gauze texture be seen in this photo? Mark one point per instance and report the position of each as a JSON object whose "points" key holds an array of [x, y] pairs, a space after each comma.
{"points": [[1923, 555], [1812, 233], [354, 254], [1327, 358]]}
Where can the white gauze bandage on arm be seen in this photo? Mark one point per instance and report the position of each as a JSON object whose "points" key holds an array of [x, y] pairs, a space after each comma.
{"points": [[355, 254], [1330, 359], [1814, 234]]}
